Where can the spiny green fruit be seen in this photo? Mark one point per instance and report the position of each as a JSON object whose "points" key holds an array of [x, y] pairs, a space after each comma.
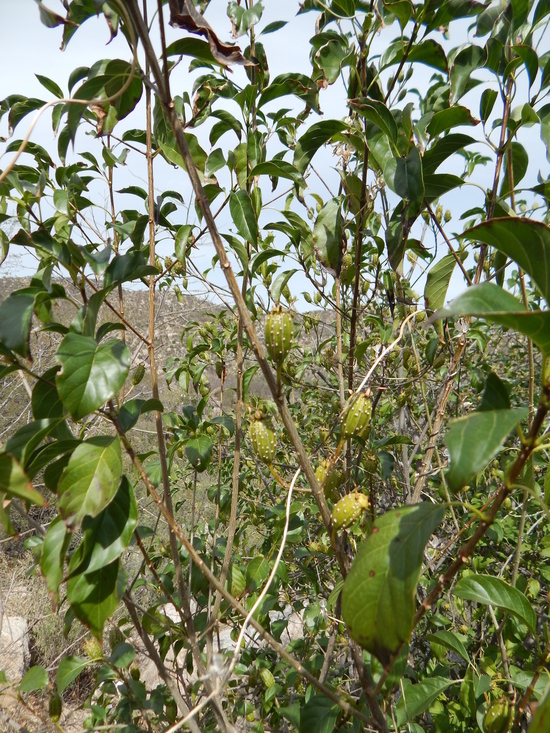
{"points": [[263, 440], [498, 717], [93, 649], [115, 637], [55, 707], [139, 373], [356, 417], [330, 480], [278, 334], [348, 510]]}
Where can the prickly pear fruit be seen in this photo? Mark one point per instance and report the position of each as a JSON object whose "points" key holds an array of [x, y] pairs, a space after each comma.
{"points": [[278, 334], [263, 440], [357, 415], [348, 510]]}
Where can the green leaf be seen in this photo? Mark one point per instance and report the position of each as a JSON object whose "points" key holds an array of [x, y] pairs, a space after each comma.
{"points": [[244, 218], [489, 590], [123, 655], [127, 267], [491, 302], [257, 571], [108, 534], [199, 452], [418, 698], [131, 411], [35, 679], [486, 104], [299, 85], [91, 478], [15, 320], [437, 282], [378, 599], [279, 284], [54, 548], [317, 135], [427, 52], [407, 181], [451, 641], [183, 236], [50, 85], [525, 241], [476, 439], [327, 235], [69, 669], [442, 150], [495, 395], [466, 62], [91, 374], [520, 163], [278, 169], [15, 483], [94, 597], [272, 27], [193, 47], [448, 118], [318, 715]]}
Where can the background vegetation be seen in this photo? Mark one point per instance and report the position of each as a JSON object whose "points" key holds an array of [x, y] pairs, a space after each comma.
{"points": [[336, 517]]}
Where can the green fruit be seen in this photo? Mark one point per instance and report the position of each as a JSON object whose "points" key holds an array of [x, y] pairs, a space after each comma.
{"points": [[278, 334], [348, 510], [264, 443], [139, 373], [93, 649], [330, 482], [267, 677], [55, 707], [135, 674], [498, 717], [357, 415], [115, 637]]}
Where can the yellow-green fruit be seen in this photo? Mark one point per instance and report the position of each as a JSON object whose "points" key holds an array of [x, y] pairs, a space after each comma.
{"points": [[263, 440], [278, 334], [348, 510], [498, 717], [93, 649], [356, 417], [267, 677], [330, 482], [55, 707], [139, 373]]}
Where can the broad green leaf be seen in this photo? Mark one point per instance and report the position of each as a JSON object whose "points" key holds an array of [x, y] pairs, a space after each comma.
{"points": [[299, 85], [54, 548], [50, 85], [327, 235], [427, 52], [278, 169], [379, 115], [193, 47], [199, 452], [489, 590], [69, 669], [90, 480], [491, 302], [91, 373], [108, 534], [131, 411], [467, 61], [418, 698], [214, 162], [244, 218], [264, 256], [438, 184], [183, 236], [123, 655], [127, 267], [487, 102], [442, 150], [257, 571], [35, 679], [318, 715], [451, 641], [378, 599], [94, 597], [495, 395], [15, 483], [272, 27], [475, 439], [25, 440], [448, 118], [15, 320], [525, 241], [437, 282], [520, 163], [317, 135], [407, 180]]}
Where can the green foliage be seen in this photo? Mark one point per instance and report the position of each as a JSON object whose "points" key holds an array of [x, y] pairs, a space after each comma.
{"points": [[403, 584]]}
